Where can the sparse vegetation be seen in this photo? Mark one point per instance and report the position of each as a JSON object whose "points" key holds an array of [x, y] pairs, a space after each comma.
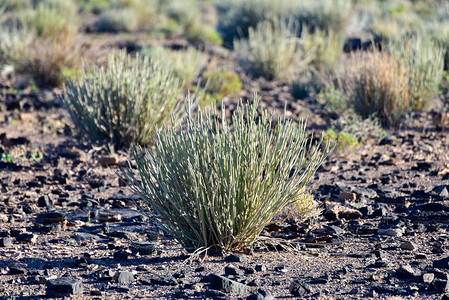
{"points": [[117, 20], [185, 64], [217, 187], [344, 140], [325, 48], [378, 84], [122, 104], [271, 51], [222, 83], [424, 61]]}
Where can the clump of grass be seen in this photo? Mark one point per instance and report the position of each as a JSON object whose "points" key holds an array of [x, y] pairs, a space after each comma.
{"points": [[439, 33], [44, 58], [271, 51], [326, 47], [344, 140], [128, 16], [15, 45], [222, 83], [378, 84], [122, 104], [50, 18], [425, 62], [203, 34], [117, 20], [185, 64], [333, 99], [325, 15], [49, 57], [216, 184], [236, 17]]}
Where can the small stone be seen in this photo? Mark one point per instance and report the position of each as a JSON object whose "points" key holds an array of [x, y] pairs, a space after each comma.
{"points": [[299, 289], [406, 271], [441, 263], [5, 242], [110, 218], [227, 285], [394, 232], [337, 211], [439, 285], [230, 270], [420, 256], [64, 287], [27, 237], [408, 246], [236, 258], [348, 197], [44, 201], [17, 270], [211, 293], [123, 277], [261, 268], [165, 280], [428, 277], [52, 218], [261, 294]]}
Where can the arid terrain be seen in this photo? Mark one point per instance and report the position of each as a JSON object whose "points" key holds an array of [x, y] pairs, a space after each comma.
{"points": [[71, 227]]}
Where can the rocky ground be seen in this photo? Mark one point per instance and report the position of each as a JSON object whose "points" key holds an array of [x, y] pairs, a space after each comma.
{"points": [[69, 227]]}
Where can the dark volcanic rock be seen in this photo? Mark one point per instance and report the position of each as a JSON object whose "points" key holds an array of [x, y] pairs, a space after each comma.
{"points": [[164, 280], [52, 218], [64, 287], [227, 285], [299, 289], [261, 294], [441, 263], [236, 258]]}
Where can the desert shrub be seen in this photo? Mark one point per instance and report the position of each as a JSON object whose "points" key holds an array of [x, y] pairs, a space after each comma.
{"points": [[363, 129], [15, 45], [236, 17], [424, 61], [127, 16], [323, 14], [185, 12], [14, 5], [271, 51], [95, 6], [117, 20], [377, 84], [184, 64], [49, 57], [50, 18], [203, 34], [344, 140], [439, 33], [216, 183], [222, 83], [44, 58], [122, 104], [333, 99], [309, 83], [326, 48]]}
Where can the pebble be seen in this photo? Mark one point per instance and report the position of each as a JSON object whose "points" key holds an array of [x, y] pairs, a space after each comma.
{"points": [[64, 286], [299, 289], [408, 246], [394, 232], [226, 285], [123, 277], [5, 242]]}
